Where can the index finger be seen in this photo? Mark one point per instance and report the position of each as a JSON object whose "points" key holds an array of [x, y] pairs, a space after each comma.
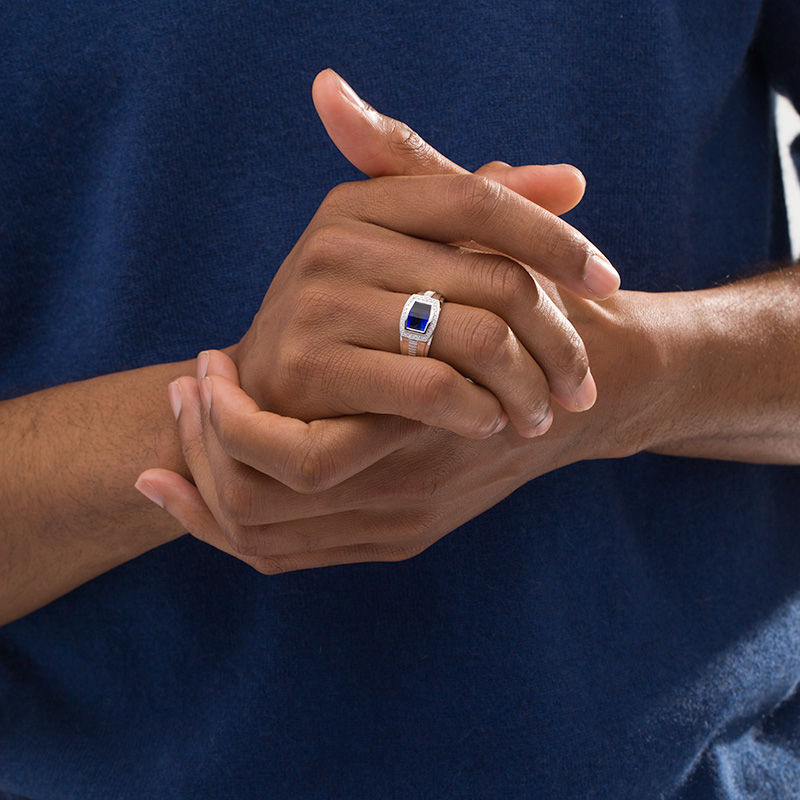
{"points": [[457, 208]]}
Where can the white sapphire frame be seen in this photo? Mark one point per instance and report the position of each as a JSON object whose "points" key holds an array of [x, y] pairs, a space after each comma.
{"points": [[415, 343]]}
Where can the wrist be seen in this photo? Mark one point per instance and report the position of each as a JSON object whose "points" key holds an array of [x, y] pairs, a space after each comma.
{"points": [[635, 352]]}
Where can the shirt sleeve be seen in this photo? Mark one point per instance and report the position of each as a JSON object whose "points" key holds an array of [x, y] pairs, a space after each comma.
{"points": [[777, 42]]}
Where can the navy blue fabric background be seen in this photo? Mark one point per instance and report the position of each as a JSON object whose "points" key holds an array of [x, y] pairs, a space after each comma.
{"points": [[158, 162]]}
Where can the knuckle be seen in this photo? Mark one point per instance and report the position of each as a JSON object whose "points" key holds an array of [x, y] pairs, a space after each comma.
{"points": [[434, 388], [225, 428], [570, 358], [402, 550], [479, 199], [508, 282], [194, 451], [240, 540], [414, 549], [341, 197], [316, 376], [300, 367], [310, 467], [395, 554], [323, 247], [235, 500], [488, 339], [560, 243], [551, 234], [316, 306], [270, 565], [389, 549], [404, 141]]}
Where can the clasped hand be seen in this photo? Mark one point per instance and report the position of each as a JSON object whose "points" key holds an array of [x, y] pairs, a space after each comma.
{"points": [[309, 445]]}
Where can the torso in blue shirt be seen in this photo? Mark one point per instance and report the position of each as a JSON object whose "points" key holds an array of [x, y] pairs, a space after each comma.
{"points": [[625, 629]]}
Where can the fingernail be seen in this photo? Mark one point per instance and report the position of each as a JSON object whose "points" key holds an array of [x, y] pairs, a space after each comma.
{"points": [[149, 491], [202, 365], [350, 95], [347, 90], [174, 392], [205, 392], [601, 279], [587, 393], [544, 425], [575, 171]]}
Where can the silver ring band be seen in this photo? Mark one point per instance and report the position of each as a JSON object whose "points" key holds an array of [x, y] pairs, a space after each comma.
{"points": [[418, 322]]}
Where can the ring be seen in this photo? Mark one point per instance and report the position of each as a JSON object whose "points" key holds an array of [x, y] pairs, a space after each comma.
{"points": [[418, 322]]}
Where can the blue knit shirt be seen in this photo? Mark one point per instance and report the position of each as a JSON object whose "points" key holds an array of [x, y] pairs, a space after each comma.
{"points": [[617, 629]]}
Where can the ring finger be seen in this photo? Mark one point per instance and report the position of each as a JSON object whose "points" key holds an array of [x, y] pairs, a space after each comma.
{"points": [[478, 344], [479, 280]]}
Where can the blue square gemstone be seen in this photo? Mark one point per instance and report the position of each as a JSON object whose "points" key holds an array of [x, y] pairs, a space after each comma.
{"points": [[418, 317]]}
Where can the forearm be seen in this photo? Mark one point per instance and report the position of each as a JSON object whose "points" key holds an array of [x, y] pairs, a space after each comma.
{"points": [[729, 385], [69, 457]]}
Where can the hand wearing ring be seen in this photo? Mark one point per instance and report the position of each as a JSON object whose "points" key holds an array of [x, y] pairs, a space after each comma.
{"points": [[325, 342], [329, 320], [333, 309]]}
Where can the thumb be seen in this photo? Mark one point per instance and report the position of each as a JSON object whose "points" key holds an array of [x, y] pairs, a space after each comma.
{"points": [[379, 145], [374, 143]]}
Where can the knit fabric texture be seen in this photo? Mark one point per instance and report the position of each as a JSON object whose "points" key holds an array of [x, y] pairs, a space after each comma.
{"points": [[617, 629]]}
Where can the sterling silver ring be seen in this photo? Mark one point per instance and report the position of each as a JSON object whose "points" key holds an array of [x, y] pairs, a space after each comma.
{"points": [[418, 322]]}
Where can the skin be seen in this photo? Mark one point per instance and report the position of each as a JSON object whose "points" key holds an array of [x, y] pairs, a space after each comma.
{"points": [[741, 407], [69, 456], [703, 374], [303, 356], [711, 373]]}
